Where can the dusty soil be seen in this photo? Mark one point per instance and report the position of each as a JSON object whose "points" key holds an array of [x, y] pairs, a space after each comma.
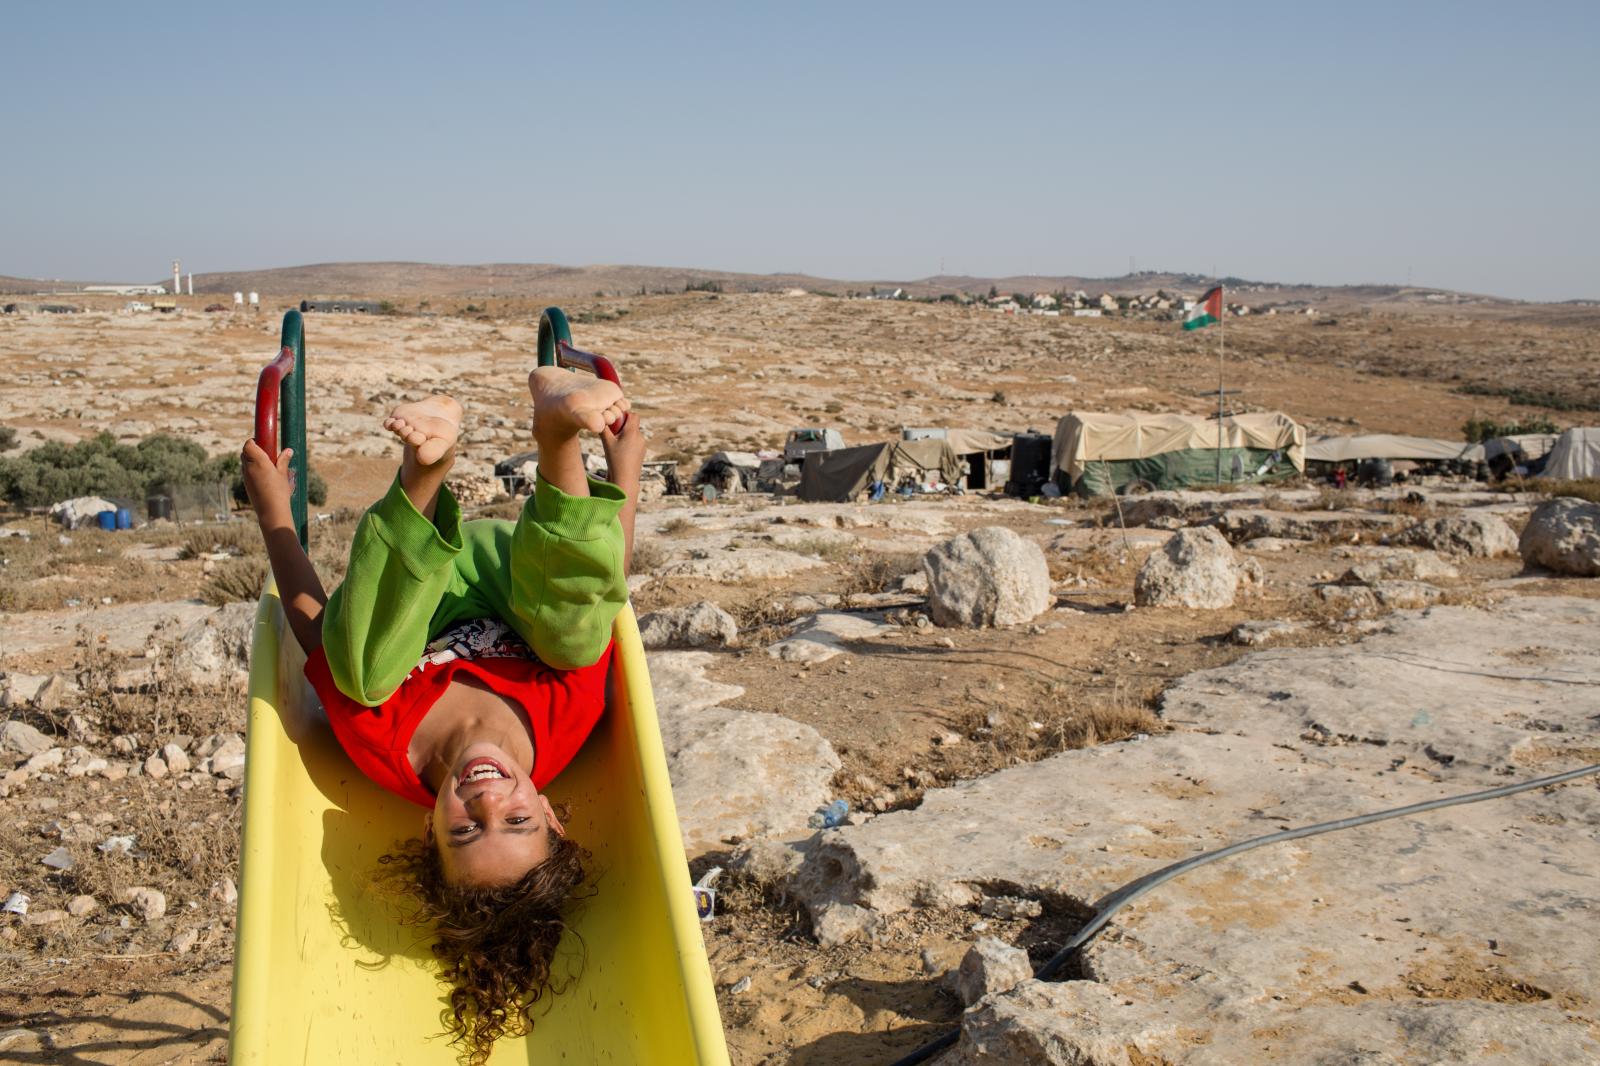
{"points": [[706, 371]]}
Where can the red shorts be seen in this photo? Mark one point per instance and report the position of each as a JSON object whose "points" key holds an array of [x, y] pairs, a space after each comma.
{"points": [[562, 707]]}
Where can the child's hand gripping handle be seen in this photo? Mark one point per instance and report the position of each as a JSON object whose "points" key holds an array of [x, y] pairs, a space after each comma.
{"points": [[281, 413], [555, 349]]}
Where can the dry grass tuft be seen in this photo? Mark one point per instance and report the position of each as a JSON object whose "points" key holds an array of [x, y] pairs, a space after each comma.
{"points": [[762, 620], [236, 580], [1066, 718], [1583, 488], [874, 572], [232, 539]]}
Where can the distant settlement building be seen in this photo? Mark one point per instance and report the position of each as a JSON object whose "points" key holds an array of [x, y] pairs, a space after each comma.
{"points": [[349, 307]]}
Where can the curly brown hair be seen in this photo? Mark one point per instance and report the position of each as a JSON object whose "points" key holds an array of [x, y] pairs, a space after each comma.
{"points": [[496, 943]]}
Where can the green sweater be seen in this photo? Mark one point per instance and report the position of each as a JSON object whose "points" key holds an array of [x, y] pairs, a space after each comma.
{"points": [[555, 575]]}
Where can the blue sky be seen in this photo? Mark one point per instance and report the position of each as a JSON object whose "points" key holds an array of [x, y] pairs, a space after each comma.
{"points": [[1452, 143]]}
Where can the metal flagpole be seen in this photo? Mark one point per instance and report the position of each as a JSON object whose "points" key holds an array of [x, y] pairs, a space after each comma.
{"points": [[1222, 314]]}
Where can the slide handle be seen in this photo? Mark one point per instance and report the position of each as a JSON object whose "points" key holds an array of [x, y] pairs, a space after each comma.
{"points": [[281, 413]]}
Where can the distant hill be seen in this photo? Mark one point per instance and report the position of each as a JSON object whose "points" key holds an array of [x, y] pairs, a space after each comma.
{"points": [[412, 280]]}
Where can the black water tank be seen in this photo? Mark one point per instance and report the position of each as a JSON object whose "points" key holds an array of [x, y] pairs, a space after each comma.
{"points": [[1379, 472], [157, 507], [1030, 463]]}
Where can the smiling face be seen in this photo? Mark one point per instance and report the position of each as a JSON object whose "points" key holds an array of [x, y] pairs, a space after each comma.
{"points": [[489, 824]]}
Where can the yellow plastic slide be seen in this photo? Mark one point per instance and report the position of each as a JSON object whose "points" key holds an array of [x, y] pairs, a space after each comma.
{"points": [[323, 972]]}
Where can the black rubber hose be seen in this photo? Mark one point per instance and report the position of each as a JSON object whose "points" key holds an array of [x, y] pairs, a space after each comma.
{"points": [[1125, 895]]}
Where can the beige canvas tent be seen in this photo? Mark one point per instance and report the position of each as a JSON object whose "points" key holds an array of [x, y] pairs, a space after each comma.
{"points": [[1575, 455], [844, 474], [1099, 453], [1388, 446]]}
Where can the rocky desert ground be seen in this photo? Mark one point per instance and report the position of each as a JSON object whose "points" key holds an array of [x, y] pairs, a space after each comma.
{"points": [[1157, 679]]}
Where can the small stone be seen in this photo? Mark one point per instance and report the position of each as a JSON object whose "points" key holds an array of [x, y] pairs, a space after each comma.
{"points": [[81, 906], [22, 738], [1010, 907], [116, 845], [48, 759], [148, 903], [184, 942], [838, 923], [228, 759], [156, 767], [991, 966], [45, 918], [124, 745], [176, 759], [739, 987], [51, 693], [226, 891], [947, 740], [59, 859]]}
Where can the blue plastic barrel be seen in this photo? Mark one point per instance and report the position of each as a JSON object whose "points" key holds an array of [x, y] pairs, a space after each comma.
{"points": [[106, 519], [124, 518]]}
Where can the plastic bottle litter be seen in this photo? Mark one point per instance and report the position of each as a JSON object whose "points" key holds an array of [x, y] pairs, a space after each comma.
{"points": [[705, 894], [830, 816]]}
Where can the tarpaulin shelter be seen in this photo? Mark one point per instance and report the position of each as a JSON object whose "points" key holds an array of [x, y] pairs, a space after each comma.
{"points": [[1100, 453], [844, 474], [1576, 454], [1526, 450], [730, 472], [987, 454], [1387, 446]]}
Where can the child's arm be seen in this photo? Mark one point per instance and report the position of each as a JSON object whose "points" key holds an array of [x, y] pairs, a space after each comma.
{"points": [[624, 463], [299, 587]]}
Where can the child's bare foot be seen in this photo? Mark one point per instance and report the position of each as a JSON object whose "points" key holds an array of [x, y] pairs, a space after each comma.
{"points": [[428, 428], [565, 402]]}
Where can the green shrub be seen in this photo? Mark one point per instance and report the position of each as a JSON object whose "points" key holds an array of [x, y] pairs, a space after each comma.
{"points": [[100, 466], [1482, 429], [8, 438]]}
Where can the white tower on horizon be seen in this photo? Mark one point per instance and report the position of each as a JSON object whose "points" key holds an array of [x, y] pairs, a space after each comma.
{"points": [[191, 283], [177, 287]]}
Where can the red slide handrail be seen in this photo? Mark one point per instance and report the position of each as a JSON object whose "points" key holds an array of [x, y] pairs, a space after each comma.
{"points": [[268, 388]]}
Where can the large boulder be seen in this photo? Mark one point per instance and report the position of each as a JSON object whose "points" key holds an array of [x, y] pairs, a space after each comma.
{"points": [[1472, 533], [1564, 535], [988, 577], [698, 625], [1196, 568]]}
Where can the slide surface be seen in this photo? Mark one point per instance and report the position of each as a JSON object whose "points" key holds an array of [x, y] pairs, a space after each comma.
{"points": [[323, 973]]}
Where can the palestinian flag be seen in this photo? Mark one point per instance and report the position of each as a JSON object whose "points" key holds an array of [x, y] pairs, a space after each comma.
{"points": [[1207, 312]]}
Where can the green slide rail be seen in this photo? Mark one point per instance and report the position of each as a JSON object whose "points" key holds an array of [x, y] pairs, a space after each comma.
{"points": [[281, 412]]}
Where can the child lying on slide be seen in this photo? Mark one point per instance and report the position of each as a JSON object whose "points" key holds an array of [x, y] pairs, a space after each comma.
{"points": [[462, 665]]}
